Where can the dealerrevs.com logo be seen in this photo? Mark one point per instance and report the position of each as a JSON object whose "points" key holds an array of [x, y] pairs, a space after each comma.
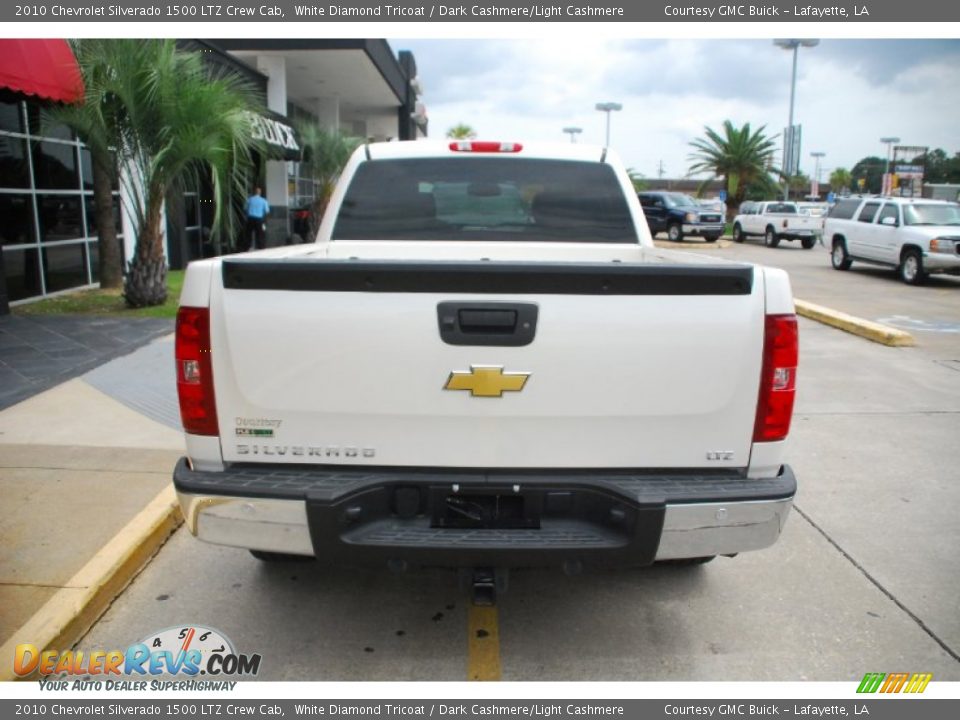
{"points": [[184, 651]]}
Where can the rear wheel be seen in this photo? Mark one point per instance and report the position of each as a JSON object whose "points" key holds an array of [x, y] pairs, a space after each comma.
{"points": [[687, 562], [675, 233], [808, 242], [738, 235], [275, 557], [771, 238], [911, 268], [838, 256]]}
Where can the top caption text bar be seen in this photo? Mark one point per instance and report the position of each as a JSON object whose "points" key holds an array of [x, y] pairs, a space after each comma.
{"points": [[250, 11]]}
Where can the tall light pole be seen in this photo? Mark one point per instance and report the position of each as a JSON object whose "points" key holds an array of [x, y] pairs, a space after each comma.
{"points": [[608, 107], [815, 190], [792, 44], [573, 132], [886, 189]]}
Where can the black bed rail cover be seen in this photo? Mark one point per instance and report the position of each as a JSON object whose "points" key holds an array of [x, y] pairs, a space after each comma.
{"points": [[486, 277]]}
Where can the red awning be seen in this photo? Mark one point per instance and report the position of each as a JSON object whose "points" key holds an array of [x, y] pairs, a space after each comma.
{"points": [[45, 69]]}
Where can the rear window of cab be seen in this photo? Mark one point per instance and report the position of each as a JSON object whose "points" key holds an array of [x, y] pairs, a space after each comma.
{"points": [[484, 199]]}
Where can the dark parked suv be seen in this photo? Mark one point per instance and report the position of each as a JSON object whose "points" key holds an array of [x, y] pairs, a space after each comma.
{"points": [[679, 215]]}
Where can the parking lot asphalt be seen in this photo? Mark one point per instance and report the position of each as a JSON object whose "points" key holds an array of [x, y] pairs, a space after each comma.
{"points": [[930, 312], [865, 576]]}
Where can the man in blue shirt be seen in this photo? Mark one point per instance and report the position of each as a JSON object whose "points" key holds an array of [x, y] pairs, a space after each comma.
{"points": [[257, 209]]}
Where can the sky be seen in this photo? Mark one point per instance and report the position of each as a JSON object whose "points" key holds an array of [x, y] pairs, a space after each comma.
{"points": [[849, 93]]}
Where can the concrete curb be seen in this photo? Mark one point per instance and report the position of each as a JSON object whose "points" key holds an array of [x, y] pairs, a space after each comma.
{"points": [[877, 332], [73, 610], [722, 244]]}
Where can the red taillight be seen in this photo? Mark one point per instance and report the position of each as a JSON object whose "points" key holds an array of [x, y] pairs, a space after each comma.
{"points": [[198, 410], [778, 379], [485, 146]]}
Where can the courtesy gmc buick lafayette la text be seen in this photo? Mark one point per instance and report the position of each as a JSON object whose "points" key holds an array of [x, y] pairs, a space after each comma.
{"points": [[484, 362]]}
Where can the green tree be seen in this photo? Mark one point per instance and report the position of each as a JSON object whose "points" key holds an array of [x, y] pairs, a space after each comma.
{"points": [[94, 122], [461, 131], [325, 153], [939, 167], [840, 180], [870, 170], [171, 121], [763, 187], [799, 185], [740, 156], [638, 179]]}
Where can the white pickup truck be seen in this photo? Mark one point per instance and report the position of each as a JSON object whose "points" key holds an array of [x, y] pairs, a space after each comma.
{"points": [[776, 221], [484, 362]]}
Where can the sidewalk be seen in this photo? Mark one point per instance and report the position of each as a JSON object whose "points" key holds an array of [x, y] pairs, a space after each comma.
{"points": [[39, 352], [79, 461]]}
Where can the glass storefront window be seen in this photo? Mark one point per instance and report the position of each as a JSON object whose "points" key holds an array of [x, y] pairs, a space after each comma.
{"points": [[16, 220], [60, 217], [40, 126], [92, 215], [191, 210], [23, 273], [94, 250], [65, 266], [55, 166], [45, 182], [11, 117], [14, 169], [86, 169]]}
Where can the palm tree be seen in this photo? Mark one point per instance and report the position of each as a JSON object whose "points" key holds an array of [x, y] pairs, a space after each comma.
{"points": [[92, 121], [171, 122], [740, 156], [325, 152], [461, 131], [840, 179]]}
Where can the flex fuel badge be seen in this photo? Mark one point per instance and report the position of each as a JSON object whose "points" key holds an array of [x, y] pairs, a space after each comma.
{"points": [[255, 432], [257, 427]]}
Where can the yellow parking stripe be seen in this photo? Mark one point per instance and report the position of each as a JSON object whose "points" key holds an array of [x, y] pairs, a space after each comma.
{"points": [[483, 643]]}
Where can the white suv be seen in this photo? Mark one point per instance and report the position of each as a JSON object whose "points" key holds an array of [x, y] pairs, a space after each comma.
{"points": [[915, 236]]}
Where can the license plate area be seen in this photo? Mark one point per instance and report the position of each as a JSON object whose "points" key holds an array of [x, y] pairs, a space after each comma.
{"points": [[494, 508]]}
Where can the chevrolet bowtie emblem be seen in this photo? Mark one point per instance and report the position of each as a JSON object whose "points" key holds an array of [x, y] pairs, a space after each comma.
{"points": [[486, 381]]}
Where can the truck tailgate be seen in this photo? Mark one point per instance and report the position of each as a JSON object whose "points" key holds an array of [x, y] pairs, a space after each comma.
{"points": [[628, 365]]}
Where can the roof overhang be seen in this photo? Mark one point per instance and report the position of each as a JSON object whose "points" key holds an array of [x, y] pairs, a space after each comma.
{"points": [[361, 74]]}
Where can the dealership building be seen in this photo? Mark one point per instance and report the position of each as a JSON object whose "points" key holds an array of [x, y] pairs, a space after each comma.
{"points": [[47, 225]]}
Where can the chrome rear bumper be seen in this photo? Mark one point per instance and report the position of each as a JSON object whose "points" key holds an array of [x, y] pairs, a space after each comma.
{"points": [[689, 529]]}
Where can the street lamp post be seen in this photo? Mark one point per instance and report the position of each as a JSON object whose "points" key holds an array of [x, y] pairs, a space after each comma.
{"points": [[608, 107], [792, 44], [573, 132], [887, 189], [816, 172]]}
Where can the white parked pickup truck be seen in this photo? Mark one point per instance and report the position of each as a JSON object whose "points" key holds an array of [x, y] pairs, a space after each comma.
{"points": [[776, 221], [484, 362]]}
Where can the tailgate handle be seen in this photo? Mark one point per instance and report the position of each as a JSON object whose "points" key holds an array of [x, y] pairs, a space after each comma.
{"points": [[488, 321], [503, 324]]}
